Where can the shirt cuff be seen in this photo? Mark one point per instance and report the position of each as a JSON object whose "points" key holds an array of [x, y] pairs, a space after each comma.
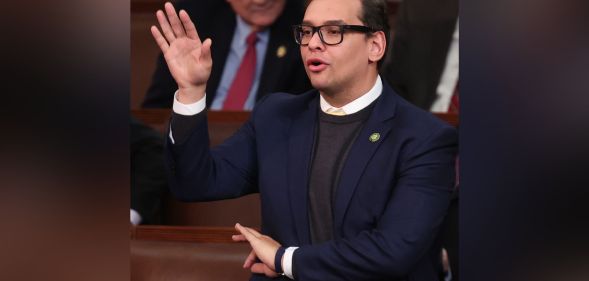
{"points": [[191, 108], [287, 261], [135, 217]]}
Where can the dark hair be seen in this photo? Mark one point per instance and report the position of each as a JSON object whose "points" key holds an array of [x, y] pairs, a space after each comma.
{"points": [[375, 15]]}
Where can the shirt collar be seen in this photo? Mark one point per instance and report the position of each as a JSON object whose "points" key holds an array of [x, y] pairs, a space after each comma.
{"points": [[243, 30], [358, 104]]}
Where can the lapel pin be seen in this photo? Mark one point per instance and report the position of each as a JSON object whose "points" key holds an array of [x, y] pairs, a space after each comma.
{"points": [[374, 137], [281, 51]]}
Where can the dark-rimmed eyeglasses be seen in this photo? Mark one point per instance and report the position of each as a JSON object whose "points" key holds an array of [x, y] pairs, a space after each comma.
{"points": [[330, 34]]}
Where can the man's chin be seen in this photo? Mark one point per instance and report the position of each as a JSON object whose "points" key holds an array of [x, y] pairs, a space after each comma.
{"points": [[319, 84], [318, 80]]}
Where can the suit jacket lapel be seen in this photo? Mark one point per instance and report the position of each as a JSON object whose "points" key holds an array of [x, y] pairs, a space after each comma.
{"points": [[274, 64], [361, 152], [300, 150]]}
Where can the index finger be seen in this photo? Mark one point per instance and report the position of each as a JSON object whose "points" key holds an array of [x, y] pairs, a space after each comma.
{"points": [[245, 232], [253, 231]]}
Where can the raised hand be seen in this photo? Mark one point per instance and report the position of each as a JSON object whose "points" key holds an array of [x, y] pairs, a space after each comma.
{"points": [[263, 247], [188, 59]]}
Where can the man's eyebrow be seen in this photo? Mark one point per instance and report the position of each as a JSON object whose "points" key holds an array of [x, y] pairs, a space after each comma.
{"points": [[329, 22]]}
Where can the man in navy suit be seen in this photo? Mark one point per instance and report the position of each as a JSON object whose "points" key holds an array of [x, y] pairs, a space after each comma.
{"points": [[228, 23], [354, 181]]}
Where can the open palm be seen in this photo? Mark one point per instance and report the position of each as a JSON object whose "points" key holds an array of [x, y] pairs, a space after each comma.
{"points": [[188, 59]]}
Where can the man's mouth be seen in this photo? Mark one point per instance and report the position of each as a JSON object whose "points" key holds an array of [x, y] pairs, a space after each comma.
{"points": [[316, 65]]}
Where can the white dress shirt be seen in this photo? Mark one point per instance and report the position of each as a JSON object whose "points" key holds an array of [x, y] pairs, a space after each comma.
{"points": [[357, 104]]}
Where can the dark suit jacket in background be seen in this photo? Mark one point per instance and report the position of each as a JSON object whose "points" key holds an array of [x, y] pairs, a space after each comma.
{"points": [[389, 204], [422, 39], [216, 20], [148, 179]]}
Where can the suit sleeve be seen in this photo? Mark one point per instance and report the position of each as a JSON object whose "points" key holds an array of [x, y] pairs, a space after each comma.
{"points": [[405, 231], [199, 173]]}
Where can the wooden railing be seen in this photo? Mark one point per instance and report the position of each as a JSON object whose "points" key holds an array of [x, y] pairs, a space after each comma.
{"points": [[221, 124], [198, 234], [158, 118]]}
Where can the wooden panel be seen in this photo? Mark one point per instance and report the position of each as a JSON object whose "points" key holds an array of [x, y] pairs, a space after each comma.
{"points": [[221, 124], [147, 6], [450, 118], [162, 116], [152, 260], [223, 213], [144, 52], [200, 234], [159, 117]]}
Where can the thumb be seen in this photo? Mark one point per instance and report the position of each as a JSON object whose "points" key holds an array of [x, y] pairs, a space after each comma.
{"points": [[206, 50]]}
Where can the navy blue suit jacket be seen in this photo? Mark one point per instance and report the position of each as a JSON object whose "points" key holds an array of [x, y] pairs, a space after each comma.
{"points": [[391, 199]]}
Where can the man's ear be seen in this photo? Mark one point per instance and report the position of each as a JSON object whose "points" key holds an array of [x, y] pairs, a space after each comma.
{"points": [[377, 46]]}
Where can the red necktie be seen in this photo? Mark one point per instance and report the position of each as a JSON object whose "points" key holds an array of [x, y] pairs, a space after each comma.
{"points": [[455, 101], [244, 78]]}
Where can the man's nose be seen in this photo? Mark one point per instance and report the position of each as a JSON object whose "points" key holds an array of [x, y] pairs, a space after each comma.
{"points": [[315, 42]]}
